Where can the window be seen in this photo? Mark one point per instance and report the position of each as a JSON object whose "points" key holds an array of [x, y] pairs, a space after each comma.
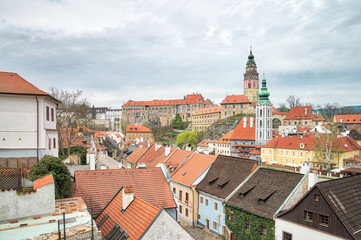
{"points": [[263, 231], [116, 233], [201, 200], [180, 209], [102, 220], [286, 236], [186, 212], [215, 206], [215, 225], [247, 224], [54, 142], [47, 113], [174, 190], [308, 216], [323, 220], [199, 217], [187, 197], [316, 197], [180, 195], [52, 114], [49, 143], [206, 202]]}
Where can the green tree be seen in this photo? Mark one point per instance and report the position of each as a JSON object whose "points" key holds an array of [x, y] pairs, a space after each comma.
{"points": [[187, 137], [177, 123], [49, 164], [283, 107]]}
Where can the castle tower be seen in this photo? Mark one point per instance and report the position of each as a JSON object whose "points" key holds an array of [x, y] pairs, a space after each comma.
{"points": [[263, 116], [251, 82]]}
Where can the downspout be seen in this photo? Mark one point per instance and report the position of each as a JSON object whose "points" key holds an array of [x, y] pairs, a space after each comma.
{"points": [[37, 128]]}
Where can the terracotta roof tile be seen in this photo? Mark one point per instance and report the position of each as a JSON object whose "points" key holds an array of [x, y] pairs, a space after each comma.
{"points": [[189, 99], [214, 109], [247, 133], [303, 112], [235, 99], [137, 128], [193, 168], [162, 158], [177, 159], [41, 182], [276, 112], [205, 142], [226, 138], [151, 154], [351, 119], [13, 83], [136, 155], [98, 187], [134, 220]]}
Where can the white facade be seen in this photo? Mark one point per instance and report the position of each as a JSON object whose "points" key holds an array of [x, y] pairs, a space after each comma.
{"points": [[300, 232], [264, 123], [27, 126]]}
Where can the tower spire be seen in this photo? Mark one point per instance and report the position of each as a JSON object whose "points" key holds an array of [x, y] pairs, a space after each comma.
{"points": [[264, 94]]}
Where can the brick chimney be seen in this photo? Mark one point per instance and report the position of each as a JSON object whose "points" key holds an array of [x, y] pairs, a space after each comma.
{"points": [[128, 196]]}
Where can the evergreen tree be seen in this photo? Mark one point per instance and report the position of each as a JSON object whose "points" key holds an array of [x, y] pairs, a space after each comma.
{"points": [[49, 164]]}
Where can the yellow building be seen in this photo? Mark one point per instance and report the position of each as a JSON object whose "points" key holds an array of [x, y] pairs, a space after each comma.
{"points": [[140, 132], [184, 181], [204, 118], [223, 145], [295, 150]]}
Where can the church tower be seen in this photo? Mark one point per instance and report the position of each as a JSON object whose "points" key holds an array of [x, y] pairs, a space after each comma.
{"points": [[251, 82], [263, 116]]}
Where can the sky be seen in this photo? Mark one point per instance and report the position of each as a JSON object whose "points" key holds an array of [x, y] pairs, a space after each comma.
{"points": [[117, 50]]}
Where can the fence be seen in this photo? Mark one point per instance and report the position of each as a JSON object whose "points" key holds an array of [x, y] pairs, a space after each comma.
{"points": [[11, 178]]}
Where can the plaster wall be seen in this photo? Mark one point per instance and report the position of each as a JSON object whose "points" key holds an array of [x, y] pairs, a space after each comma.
{"points": [[300, 232], [207, 211], [165, 227], [13, 206]]}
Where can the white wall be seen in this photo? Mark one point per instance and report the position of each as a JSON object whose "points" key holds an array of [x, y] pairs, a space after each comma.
{"points": [[18, 126], [164, 228], [299, 232], [13, 206]]}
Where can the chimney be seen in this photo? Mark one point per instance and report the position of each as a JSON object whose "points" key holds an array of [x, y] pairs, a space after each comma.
{"points": [[244, 122], [92, 161], [305, 111], [128, 196], [251, 122], [312, 179], [157, 146], [188, 147], [167, 150]]}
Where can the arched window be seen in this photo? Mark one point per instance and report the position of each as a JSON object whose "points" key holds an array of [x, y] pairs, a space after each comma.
{"points": [[269, 123], [260, 123], [260, 134], [260, 112]]}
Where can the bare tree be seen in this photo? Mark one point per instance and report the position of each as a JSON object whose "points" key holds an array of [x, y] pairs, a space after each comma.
{"points": [[327, 146], [329, 110], [283, 107], [71, 110], [293, 101]]}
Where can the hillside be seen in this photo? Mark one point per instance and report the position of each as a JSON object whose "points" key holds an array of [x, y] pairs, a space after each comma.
{"points": [[222, 126]]}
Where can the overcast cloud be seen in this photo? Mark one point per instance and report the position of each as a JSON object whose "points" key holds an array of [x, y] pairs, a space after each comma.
{"points": [[142, 50]]}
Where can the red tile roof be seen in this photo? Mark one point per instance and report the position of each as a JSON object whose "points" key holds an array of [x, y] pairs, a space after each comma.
{"points": [[235, 99], [189, 99], [134, 220], [41, 182], [136, 155], [162, 158], [177, 159], [247, 133], [215, 109], [13, 83], [137, 128], [151, 154], [226, 138], [98, 187], [205, 142], [351, 119], [193, 168], [303, 112], [294, 142], [276, 112]]}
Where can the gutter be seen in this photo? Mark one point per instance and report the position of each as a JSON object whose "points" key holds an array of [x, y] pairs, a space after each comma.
{"points": [[289, 196]]}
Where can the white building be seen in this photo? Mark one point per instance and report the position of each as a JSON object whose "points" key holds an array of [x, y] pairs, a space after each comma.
{"points": [[27, 121]]}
